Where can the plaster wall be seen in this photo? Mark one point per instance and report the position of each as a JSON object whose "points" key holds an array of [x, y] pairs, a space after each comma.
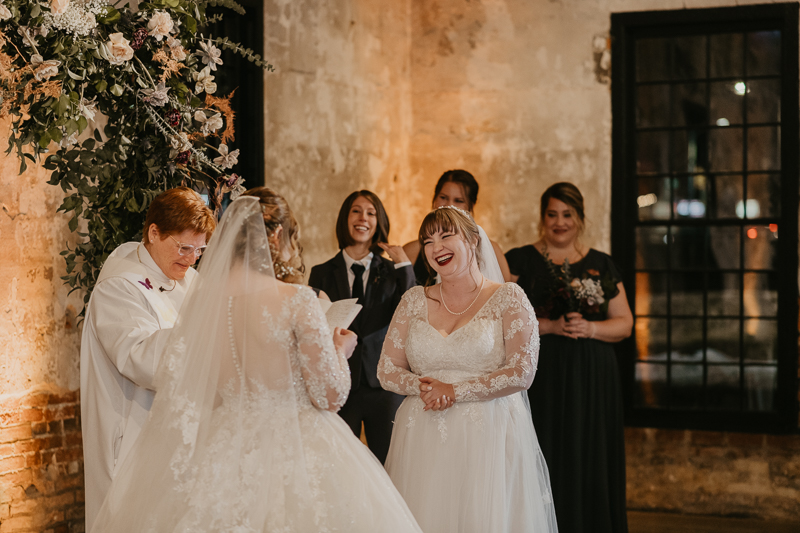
{"points": [[338, 109]]}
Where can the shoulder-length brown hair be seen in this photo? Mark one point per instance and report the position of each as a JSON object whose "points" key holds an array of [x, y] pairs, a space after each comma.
{"points": [[568, 193], [343, 231]]}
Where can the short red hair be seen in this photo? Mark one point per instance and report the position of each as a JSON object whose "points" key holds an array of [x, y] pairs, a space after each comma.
{"points": [[177, 210]]}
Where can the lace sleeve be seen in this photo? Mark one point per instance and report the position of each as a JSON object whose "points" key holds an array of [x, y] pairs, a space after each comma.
{"points": [[324, 370], [521, 340], [393, 370]]}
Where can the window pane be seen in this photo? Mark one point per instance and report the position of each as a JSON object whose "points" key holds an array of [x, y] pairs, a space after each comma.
{"points": [[760, 341], [651, 247], [689, 104], [687, 386], [725, 149], [689, 197], [686, 293], [764, 101], [724, 246], [722, 338], [687, 340], [651, 385], [726, 55], [764, 148], [651, 293], [688, 248], [726, 105], [764, 53], [766, 190], [760, 294], [724, 194], [723, 294], [652, 59], [760, 247], [759, 387], [652, 152], [652, 108], [653, 200], [651, 339], [723, 388], [688, 57]]}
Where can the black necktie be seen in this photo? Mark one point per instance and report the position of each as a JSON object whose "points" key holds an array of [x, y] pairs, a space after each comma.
{"points": [[358, 283]]}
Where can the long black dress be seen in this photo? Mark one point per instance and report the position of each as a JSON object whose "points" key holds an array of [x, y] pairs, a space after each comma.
{"points": [[575, 398]]}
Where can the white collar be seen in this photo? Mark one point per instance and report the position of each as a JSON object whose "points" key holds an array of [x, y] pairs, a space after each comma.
{"points": [[349, 261]]}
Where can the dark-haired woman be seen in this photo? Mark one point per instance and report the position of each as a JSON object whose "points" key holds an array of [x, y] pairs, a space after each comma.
{"points": [[459, 189], [580, 302], [359, 271]]}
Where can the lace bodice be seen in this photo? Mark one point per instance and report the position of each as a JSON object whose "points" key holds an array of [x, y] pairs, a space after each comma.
{"points": [[493, 355]]}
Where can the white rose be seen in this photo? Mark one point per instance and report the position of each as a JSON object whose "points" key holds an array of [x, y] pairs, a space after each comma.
{"points": [[5, 14], [119, 49], [160, 25], [176, 49], [57, 7]]}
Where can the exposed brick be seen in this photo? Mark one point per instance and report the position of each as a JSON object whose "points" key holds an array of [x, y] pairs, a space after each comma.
{"points": [[18, 524], [35, 400], [787, 443], [39, 428], [707, 438], [12, 434], [33, 459], [70, 454], [72, 424], [59, 413], [4, 511], [67, 397], [74, 438], [10, 464], [746, 440]]}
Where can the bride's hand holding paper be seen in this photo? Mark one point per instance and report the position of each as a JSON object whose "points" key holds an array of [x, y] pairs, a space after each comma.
{"points": [[345, 341]]}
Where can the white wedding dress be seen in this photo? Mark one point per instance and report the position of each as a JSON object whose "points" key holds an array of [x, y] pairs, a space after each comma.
{"points": [[475, 467], [239, 440]]}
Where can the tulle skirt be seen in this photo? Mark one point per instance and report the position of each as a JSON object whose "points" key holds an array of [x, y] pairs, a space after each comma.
{"points": [[326, 481], [473, 468]]}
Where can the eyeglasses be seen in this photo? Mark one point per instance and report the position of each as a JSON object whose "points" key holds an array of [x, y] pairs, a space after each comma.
{"points": [[186, 249]]}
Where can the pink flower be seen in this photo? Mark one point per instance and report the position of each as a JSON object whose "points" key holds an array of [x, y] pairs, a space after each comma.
{"points": [[58, 7]]}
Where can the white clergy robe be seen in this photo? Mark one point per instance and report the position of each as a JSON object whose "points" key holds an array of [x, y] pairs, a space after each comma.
{"points": [[127, 325]]}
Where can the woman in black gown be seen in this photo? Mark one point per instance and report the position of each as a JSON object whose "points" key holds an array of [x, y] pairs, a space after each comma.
{"points": [[575, 399]]}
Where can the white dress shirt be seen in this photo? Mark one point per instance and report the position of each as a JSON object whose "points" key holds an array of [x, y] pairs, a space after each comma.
{"points": [[366, 261]]}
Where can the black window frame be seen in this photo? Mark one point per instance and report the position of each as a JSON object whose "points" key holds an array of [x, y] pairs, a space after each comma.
{"points": [[625, 29]]}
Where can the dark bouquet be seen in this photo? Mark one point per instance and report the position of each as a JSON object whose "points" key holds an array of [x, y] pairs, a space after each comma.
{"points": [[567, 293]]}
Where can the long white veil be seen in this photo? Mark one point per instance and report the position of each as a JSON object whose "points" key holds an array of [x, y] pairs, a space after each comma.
{"points": [[490, 267], [198, 463]]}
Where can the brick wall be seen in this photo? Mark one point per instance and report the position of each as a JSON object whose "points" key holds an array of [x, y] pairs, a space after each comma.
{"points": [[714, 473], [41, 463]]}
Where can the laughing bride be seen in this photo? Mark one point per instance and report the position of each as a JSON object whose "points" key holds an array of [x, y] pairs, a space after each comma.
{"points": [[464, 453]]}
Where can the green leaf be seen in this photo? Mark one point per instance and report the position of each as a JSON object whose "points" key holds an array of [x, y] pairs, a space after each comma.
{"points": [[191, 24], [55, 134], [111, 15], [72, 126], [116, 90], [63, 104], [36, 11], [82, 123], [44, 142], [100, 86]]}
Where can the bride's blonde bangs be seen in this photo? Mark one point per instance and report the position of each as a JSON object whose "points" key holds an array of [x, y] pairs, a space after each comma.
{"points": [[449, 220]]}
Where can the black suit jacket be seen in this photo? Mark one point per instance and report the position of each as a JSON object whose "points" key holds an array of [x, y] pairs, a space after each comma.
{"points": [[385, 286]]}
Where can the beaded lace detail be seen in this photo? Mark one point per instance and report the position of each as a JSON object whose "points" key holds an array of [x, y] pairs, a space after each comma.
{"points": [[493, 355]]}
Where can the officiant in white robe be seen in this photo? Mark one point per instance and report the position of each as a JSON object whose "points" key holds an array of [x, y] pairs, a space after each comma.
{"points": [[131, 312]]}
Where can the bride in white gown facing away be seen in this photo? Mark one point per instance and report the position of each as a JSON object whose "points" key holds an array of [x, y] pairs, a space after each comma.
{"points": [[243, 436], [464, 453]]}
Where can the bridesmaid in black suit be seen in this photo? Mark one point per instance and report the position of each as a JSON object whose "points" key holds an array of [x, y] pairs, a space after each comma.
{"points": [[359, 271]]}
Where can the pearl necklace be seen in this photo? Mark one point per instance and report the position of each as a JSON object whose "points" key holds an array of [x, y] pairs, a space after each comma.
{"points": [[441, 293]]}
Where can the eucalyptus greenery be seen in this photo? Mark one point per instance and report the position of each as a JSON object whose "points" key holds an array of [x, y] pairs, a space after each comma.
{"points": [[118, 102]]}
